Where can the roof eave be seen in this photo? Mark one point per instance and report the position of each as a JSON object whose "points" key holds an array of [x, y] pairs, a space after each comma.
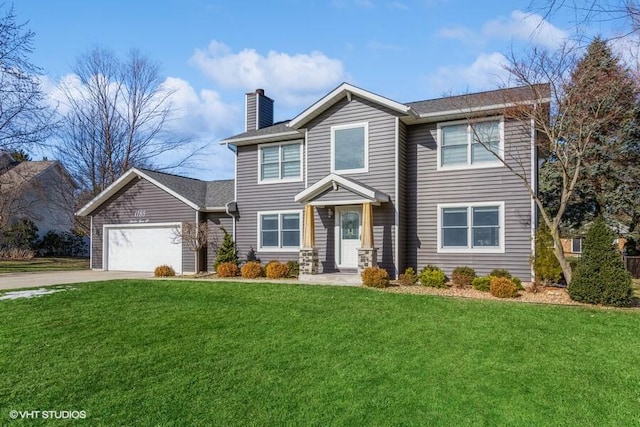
{"points": [[250, 140]]}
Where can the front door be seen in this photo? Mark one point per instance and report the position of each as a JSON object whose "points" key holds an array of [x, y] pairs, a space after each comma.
{"points": [[348, 228]]}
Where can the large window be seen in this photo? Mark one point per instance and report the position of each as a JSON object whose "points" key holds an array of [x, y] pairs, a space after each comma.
{"points": [[470, 144], [477, 227], [349, 148], [279, 230], [280, 162]]}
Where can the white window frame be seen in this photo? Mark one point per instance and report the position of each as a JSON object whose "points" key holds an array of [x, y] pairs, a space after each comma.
{"points": [[279, 248], [469, 248], [364, 125], [280, 179], [573, 247], [470, 135]]}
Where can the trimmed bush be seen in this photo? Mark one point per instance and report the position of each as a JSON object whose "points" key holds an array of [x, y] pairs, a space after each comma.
{"points": [[600, 277], [375, 277], [408, 278], [482, 283], [294, 268], [502, 272], [276, 270], [251, 270], [503, 287], [432, 276], [227, 269], [164, 271], [227, 252], [546, 267], [516, 281], [463, 277]]}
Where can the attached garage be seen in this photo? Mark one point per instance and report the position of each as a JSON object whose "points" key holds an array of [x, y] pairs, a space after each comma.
{"points": [[142, 248], [134, 221]]}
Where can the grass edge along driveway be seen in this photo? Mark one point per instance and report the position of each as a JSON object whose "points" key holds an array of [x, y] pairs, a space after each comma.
{"points": [[213, 353]]}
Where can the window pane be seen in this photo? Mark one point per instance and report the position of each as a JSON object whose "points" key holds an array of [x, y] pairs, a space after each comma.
{"points": [[576, 245], [291, 152], [480, 153], [486, 236], [454, 237], [486, 215], [269, 222], [350, 225], [454, 135], [270, 160], [349, 148], [454, 155], [269, 230], [454, 217], [487, 132], [269, 239], [291, 238], [291, 169], [290, 221]]}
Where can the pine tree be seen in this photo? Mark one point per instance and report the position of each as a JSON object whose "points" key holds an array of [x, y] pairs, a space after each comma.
{"points": [[600, 277], [227, 252]]}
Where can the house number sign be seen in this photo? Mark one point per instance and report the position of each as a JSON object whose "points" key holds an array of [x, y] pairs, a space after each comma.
{"points": [[141, 213]]}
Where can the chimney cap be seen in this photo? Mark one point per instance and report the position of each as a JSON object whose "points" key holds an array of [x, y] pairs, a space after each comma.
{"points": [[257, 92]]}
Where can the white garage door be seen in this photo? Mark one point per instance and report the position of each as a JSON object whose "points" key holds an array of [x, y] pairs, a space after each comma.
{"points": [[142, 248]]}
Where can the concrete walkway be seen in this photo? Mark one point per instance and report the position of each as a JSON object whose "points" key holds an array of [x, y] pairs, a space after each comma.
{"points": [[32, 280]]}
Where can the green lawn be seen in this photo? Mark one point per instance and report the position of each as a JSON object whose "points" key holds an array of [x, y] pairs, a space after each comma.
{"points": [[207, 353], [44, 264]]}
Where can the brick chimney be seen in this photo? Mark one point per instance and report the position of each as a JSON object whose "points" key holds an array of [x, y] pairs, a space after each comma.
{"points": [[258, 110]]}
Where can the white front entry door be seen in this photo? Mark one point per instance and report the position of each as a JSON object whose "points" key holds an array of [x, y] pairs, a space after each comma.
{"points": [[348, 230]]}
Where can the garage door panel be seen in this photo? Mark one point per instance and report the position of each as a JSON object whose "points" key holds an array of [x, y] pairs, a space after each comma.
{"points": [[143, 248]]}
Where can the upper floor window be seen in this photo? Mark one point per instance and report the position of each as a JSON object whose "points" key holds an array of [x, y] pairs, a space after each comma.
{"points": [[280, 162], [461, 145], [350, 148]]}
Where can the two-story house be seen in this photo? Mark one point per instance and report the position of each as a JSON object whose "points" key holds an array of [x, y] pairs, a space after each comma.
{"points": [[356, 179]]}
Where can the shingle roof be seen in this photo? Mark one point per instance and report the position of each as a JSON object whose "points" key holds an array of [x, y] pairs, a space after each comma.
{"points": [[23, 172], [201, 193], [277, 128]]}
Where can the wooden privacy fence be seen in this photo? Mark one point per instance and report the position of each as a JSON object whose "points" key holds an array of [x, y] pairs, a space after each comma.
{"points": [[632, 264]]}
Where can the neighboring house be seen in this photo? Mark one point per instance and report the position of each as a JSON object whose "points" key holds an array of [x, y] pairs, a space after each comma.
{"points": [[136, 223], [39, 190], [572, 247], [357, 179]]}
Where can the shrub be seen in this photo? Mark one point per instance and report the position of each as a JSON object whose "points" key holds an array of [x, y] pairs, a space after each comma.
{"points": [[408, 278], [433, 276], [375, 277], [516, 281], [251, 255], [503, 287], [276, 270], [500, 272], [294, 268], [62, 244], [227, 269], [251, 270], [227, 252], [463, 276], [164, 271], [22, 234], [545, 264], [600, 277], [16, 254], [482, 283]]}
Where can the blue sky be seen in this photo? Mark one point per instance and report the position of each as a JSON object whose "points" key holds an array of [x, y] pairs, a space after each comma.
{"points": [[212, 52]]}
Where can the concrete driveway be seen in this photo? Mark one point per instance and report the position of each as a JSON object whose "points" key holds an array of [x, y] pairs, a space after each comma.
{"points": [[31, 280]]}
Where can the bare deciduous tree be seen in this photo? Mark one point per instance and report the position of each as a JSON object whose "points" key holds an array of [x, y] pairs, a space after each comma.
{"points": [[195, 236], [117, 116]]}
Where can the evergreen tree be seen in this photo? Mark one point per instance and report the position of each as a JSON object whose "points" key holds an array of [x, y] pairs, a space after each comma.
{"points": [[600, 277], [227, 252]]}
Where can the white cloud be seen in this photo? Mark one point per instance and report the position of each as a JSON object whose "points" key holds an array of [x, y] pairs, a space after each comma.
{"points": [[487, 72], [525, 26], [293, 80], [462, 34]]}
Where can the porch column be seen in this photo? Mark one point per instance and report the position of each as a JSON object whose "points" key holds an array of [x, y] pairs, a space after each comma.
{"points": [[367, 254], [308, 259]]}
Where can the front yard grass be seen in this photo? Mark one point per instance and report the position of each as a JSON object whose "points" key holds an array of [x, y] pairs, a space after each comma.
{"points": [[224, 353], [44, 264]]}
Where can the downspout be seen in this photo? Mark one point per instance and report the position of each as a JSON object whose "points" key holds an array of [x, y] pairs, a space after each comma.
{"points": [[197, 251]]}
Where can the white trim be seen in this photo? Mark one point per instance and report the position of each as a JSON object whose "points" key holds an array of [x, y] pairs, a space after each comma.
{"points": [[469, 249], [91, 242], [470, 110], [320, 186], [279, 180], [246, 111], [534, 187], [105, 238], [118, 184], [343, 202], [272, 137], [306, 158], [259, 214], [396, 226], [365, 126], [340, 92], [470, 134], [257, 110]]}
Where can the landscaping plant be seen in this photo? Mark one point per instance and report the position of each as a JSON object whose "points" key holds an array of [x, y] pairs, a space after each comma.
{"points": [[408, 278], [503, 287], [164, 271], [276, 270], [463, 277], [600, 277], [545, 264], [482, 283], [227, 252], [433, 276], [251, 270], [375, 277], [227, 269]]}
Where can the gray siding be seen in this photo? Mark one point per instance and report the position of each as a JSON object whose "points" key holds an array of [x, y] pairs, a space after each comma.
{"points": [[159, 207], [402, 196], [253, 198], [265, 112], [426, 187], [251, 113], [381, 174]]}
